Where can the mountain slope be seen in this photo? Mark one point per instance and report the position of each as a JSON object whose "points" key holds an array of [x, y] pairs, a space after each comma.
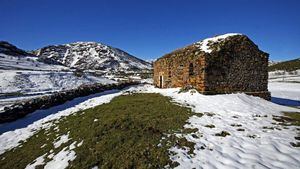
{"points": [[290, 65], [93, 56], [23, 75], [13, 58], [9, 49], [272, 62]]}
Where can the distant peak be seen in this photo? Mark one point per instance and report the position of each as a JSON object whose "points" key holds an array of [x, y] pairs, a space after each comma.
{"points": [[84, 43], [227, 35]]}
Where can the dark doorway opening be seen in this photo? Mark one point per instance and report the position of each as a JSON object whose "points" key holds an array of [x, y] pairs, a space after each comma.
{"points": [[160, 81], [191, 69]]}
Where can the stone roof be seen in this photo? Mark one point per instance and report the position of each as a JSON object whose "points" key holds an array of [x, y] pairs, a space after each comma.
{"points": [[215, 44]]}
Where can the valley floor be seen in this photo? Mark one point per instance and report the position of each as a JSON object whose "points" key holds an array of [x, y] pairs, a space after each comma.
{"points": [[219, 131]]}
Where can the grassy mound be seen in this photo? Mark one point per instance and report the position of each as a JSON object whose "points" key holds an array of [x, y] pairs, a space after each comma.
{"points": [[129, 132]]}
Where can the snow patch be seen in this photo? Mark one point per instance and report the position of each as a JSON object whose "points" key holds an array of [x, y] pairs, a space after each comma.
{"points": [[38, 161], [62, 139], [80, 144], [61, 160], [204, 44]]}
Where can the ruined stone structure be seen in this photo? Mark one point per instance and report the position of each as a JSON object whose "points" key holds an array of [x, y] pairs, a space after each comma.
{"points": [[227, 63]]}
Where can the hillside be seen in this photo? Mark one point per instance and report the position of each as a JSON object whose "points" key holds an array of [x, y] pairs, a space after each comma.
{"points": [[92, 56], [290, 65], [9, 49], [23, 75], [13, 58]]}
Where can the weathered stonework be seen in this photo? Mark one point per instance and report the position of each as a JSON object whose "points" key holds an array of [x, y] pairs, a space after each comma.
{"points": [[234, 65]]}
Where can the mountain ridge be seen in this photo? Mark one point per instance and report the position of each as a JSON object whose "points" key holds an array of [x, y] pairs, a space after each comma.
{"points": [[289, 65], [92, 56], [10, 49]]}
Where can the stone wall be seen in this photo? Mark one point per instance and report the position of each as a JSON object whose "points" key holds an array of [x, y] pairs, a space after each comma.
{"points": [[175, 69], [238, 67], [23, 108], [235, 65]]}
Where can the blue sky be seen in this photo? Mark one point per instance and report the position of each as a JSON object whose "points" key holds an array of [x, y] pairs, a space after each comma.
{"points": [[150, 28]]}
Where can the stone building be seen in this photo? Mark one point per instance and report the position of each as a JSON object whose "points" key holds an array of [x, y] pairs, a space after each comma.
{"points": [[227, 63]]}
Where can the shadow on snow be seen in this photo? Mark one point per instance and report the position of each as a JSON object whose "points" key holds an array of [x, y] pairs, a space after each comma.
{"points": [[40, 114], [285, 102]]}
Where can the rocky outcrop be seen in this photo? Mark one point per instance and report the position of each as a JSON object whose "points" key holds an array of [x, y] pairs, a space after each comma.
{"points": [[228, 63], [21, 109]]}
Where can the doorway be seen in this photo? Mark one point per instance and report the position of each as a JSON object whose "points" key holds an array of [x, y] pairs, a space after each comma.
{"points": [[160, 81]]}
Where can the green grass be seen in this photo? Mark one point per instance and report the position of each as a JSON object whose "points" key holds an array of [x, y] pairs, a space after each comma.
{"points": [[294, 117], [288, 119], [126, 135]]}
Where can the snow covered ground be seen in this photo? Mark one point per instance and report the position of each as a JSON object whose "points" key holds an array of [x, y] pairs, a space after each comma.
{"points": [[24, 77], [16, 85], [283, 76], [8, 62], [255, 140], [30, 82], [261, 144], [285, 93], [285, 87], [27, 75]]}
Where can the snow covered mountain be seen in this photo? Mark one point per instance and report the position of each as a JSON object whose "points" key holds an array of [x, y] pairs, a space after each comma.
{"points": [[272, 62], [92, 56], [23, 74], [13, 58]]}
